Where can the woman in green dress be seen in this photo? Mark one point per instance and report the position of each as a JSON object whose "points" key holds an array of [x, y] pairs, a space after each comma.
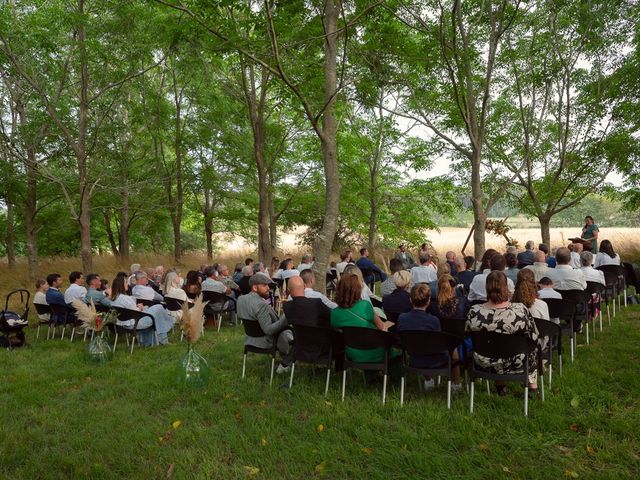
{"points": [[590, 233]]}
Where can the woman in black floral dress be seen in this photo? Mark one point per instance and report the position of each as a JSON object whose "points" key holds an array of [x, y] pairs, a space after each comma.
{"points": [[499, 315]]}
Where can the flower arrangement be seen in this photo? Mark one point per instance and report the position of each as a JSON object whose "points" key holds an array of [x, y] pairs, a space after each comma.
{"points": [[193, 370], [192, 319], [90, 318], [500, 228]]}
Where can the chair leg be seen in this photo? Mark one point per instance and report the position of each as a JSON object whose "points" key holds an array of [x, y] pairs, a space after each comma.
{"points": [[550, 374], [608, 314], [402, 380], [344, 382], [64, 329], [571, 341], [473, 389], [115, 343], [293, 368], [587, 332], [601, 317], [37, 333], [449, 393], [273, 366], [560, 363], [488, 388], [133, 342], [542, 385], [384, 389], [219, 319], [326, 386], [526, 400], [244, 364]]}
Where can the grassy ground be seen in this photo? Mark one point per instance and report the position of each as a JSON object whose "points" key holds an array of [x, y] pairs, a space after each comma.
{"points": [[63, 418]]}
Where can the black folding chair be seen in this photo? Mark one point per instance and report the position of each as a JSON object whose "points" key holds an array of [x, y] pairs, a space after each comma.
{"points": [[43, 309], [621, 286], [596, 290], [367, 272], [148, 303], [219, 304], [253, 329], [502, 346], [417, 343], [367, 339], [312, 345], [564, 310], [22, 319], [61, 315], [553, 333], [610, 292], [126, 314], [581, 299]]}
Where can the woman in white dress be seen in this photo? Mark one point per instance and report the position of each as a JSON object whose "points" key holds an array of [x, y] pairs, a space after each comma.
{"points": [[606, 255]]}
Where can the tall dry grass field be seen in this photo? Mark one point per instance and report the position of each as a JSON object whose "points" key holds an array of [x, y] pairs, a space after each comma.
{"points": [[626, 241]]}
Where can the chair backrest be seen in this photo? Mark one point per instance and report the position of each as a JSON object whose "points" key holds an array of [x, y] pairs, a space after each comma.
{"points": [[364, 338], [547, 328], [125, 314], [618, 270], [454, 326], [147, 303], [192, 296], [611, 279], [213, 297], [561, 308], [42, 309], [392, 316], [594, 287], [579, 296], [102, 308], [23, 302], [173, 304], [59, 309], [252, 328], [422, 342], [632, 277], [500, 345], [311, 338]]}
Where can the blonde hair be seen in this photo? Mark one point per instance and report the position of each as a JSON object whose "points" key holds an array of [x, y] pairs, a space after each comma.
{"points": [[402, 279], [446, 297], [354, 270]]}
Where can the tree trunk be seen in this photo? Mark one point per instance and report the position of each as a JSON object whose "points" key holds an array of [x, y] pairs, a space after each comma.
{"points": [[324, 240], [479, 213], [545, 229], [30, 211], [176, 214], [124, 223], [273, 221], [109, 230], [373, 221], [208, 223], [84, 218], [11, 248]]}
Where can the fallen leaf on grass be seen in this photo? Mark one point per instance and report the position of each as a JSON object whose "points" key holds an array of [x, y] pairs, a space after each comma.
{"points": [[506, 469], [166, 437], [327, 402], [172, 467], [315, 450], [176, 424], [227, 396], [590, 450], [251, 471], [570, 473], [320, 428], [483, 447], [238, 416], [368, 450], [321, 467], [575, 402], [574, 427], [263, 442], [566, 451]]}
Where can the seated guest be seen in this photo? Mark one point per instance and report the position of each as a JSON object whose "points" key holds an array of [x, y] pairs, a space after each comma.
{"points": [[172, 289], [151, 279], [237, 272], [405, 257], [365, 292], [389, 285], [499, 315], [76, 288], [163, 321], [526, 292], [540, 266], [104, 285], [252, 306], [306, 263], [526, 258], [398, 301], [364, 264], [547, 290], [551, 261], [564, 276], [424, 273], [512, 267], [309, 282], [258, 267], [273, 267], [53, 294], [484, 261], [143, 291], [590, 273], [94, 293], [212, 284], [606, 255], [131, 281], [286, 270], [352, 311], [158, 277], [419, 319], [467, 273], [40, 298], [303, 309], [346, 258], [192, 285], [243, 284], [477, 289], [224, 278], [453, 264], [576, 250], [449, 302]]}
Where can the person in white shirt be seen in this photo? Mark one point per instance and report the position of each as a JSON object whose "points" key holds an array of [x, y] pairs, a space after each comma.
{"points": [[564, 276], [305, 263], [539, 267], [309, 280], [547, 290], [590, 273], [40, 297], [143, 291], [346, 258], [211, 284], [606, 255], [576, 250], [286, 269], [478, 286], [76, 289], [424, 273]]}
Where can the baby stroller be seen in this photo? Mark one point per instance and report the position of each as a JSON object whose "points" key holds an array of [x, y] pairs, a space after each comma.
{"points": [[12, 323]]}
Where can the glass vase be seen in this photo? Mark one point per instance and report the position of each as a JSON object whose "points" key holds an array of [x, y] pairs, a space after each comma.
{"points": [[98, 350], [193, 370]]}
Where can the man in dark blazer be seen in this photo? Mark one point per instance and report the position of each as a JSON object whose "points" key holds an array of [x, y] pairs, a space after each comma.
{"points": [[526, 258]]}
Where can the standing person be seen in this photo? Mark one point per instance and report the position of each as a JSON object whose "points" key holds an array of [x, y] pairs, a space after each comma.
{"points": [[590, 233], [405, 257]]}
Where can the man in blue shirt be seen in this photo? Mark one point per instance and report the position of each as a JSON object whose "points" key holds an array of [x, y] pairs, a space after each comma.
{"points": [[370, 271]]}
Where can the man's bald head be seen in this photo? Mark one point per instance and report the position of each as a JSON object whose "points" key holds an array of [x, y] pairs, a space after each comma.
{"points": [[296, 287], [539, 256]]}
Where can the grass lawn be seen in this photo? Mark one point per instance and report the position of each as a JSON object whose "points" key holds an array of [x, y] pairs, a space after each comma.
{"points": [[63, 418]]}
